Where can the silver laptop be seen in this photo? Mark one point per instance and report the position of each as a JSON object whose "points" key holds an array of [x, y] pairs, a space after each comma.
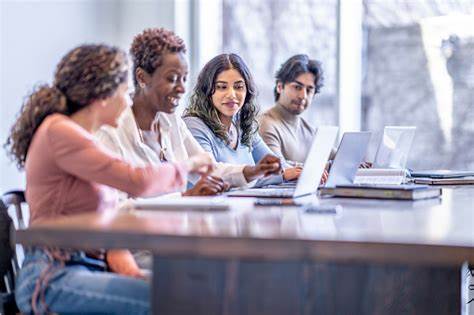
{"points": [[394, 148], [311, 174], [350, 154]]}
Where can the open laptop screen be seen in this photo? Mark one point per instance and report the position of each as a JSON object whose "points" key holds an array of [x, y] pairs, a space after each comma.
{"points": [[350, 154], [395, 146], [316, 160]]}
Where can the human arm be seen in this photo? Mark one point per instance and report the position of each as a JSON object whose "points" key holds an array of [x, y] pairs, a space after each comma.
{"points": [[260, 150], [121, 261], [198, 138], [76, 152]]}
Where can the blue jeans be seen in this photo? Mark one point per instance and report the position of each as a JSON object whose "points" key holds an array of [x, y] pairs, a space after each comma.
{"points": [[79, 289]]}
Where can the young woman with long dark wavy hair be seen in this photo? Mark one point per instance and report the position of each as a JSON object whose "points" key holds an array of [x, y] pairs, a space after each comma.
{"points": [[222, 117]]}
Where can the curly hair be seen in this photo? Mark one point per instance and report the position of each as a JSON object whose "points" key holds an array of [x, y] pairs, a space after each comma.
{"points": [[295, 66], [85, 74], [149, 47], [201, 104]]}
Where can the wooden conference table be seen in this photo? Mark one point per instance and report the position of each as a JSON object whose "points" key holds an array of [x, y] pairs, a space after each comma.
{"points": [[371, 257]]}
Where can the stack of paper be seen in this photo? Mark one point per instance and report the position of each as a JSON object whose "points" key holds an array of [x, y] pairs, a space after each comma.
{"points": [[403, 192], [380, 176]]}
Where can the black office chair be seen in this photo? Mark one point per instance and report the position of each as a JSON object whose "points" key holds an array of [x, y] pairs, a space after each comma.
{"points": [[9, 258]]}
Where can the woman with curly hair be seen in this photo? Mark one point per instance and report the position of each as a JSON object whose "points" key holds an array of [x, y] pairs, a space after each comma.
{"points": [[221, 116], [150, 130], [67, 173]]}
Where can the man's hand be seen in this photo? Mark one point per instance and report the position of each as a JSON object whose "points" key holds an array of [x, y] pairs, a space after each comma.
{"points": [[292, 173], [207, 186]]}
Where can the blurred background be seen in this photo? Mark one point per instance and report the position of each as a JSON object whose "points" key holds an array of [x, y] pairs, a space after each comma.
{"points": [[386, 62]]}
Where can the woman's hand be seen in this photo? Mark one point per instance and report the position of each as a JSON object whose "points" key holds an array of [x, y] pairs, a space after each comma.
{"points": [[269, 165], [201, 163], [292, 173], [121, 261], [206, 186]]}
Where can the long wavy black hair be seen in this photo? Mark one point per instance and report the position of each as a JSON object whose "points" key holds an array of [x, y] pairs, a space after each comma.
{"points": [[201, 105]]}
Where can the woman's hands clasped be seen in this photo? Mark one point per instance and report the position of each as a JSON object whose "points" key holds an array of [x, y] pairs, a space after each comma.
{"points": [[207, 186]]}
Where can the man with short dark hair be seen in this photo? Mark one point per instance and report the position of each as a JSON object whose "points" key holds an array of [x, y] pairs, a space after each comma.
{"points": [[282, 127]]}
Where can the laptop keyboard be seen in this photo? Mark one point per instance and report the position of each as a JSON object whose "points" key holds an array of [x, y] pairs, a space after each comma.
{"points": [[278, 192], [265, 192], [378, 180]]}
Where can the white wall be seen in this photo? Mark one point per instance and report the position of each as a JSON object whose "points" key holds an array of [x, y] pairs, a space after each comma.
{"points": [[34, 35]]}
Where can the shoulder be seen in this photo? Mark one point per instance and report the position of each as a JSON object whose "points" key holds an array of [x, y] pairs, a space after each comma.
{"points": [[267, 124], [125, 128], [63, 131], [106, 133], [195, 123], [125, 132], [177, 121], [269, 117], [270, 113], [199, 129], [62, 126]]}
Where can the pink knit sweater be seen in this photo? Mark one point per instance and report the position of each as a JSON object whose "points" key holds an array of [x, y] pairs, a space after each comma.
{"points": [[67, 172]]}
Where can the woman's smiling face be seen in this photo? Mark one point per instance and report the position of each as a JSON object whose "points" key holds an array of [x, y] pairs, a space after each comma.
{"points": [[229, 95], [164, 88]]}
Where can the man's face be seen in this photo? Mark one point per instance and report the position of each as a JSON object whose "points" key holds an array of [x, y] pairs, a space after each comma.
{"points": [[296, 96]]}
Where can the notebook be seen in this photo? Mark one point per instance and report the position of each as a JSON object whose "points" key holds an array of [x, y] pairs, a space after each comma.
{"points": [[311, 174], [441, 174], [469, 180], [402, 192]]}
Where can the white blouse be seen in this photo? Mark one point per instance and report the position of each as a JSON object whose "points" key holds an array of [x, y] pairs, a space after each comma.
{"points": [[177, 144]]}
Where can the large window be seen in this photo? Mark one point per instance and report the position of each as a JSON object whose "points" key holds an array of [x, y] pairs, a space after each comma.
{"points": [[417, 65], [419, 70], [266, 33]]}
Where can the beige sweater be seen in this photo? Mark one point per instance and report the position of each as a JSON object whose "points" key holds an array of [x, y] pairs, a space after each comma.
{"points": [[286, 134]]}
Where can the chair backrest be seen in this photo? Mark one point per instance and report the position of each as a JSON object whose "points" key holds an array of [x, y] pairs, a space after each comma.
{"points": [[15, 201], [12, 217], [6, 250], [20, 216]]}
